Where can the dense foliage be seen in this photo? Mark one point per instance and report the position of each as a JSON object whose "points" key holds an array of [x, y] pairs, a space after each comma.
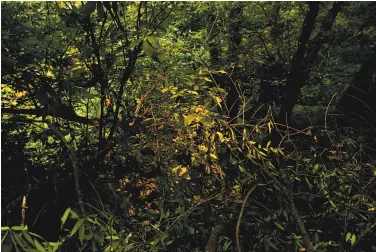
{"points": [[188, 126]]}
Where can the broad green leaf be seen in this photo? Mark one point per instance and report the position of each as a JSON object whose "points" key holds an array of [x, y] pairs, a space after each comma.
{"points": [[76, 227], [226, 245], [161, 56], [28, 237], [81, 233], [18, 228], [74, 215], [112, 237], [315, 168], [21, 242], [129, 236], [39, 246], [4, 236], [147, 48], [279, 226], [348, 236], [65, 217], [153, 42], [271, 244], [135, 43], [353, 239]]}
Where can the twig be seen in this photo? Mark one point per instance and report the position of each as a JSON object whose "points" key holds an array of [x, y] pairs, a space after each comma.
{"points": [[241, 214], [326, 115]]}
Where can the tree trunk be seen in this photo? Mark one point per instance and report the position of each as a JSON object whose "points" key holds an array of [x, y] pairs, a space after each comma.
{"points": [[299, 74], [359, 95], [301, 65], [233, 97]]}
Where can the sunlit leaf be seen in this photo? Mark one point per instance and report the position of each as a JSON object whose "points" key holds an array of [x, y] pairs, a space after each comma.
{"points": [[147, 48], [76, 227]]}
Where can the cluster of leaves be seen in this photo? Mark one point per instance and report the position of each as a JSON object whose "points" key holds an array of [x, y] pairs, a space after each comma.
{"points": [[135, 102]]}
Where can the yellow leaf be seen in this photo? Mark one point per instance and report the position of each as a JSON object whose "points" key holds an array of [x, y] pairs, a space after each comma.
{"points": [[218, 100], [203, 148], [262, 153], [268, 144], [371, 209], [213, 156], [192, 92], [309, 133], [220, 135], [270, 127], [189, 118], [182, 171]]}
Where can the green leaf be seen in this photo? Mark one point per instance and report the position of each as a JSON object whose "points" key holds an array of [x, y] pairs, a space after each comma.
{"points": [[99, 238], [271, 244], [112, 237], [81, 233], [147, 48], [36, 235], [315, 168], [348, 236], [226, 245], [21, 242], [353, 238], [28, 237], [241, 169], [128, 237], [279, 226], [135, 43], [39, 246], [161, 56], [65, 217], [4, 236], [74, 215], [76, 227], [4, 228], [18, 228], [154, 42]]}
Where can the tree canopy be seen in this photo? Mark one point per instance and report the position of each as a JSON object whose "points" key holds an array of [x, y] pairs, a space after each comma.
{"points": [[188, 126]]}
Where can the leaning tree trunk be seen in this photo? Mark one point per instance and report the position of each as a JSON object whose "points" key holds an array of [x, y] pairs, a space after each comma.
{"points": [[304, 57], [298, 74]]}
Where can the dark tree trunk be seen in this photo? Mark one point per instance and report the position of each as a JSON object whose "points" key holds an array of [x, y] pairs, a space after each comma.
{"points": [[301, 65], [358, 98], [299, 74], [233, 98]]}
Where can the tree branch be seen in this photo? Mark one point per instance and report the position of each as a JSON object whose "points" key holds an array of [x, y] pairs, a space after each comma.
{"points": [[61, 111]]}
